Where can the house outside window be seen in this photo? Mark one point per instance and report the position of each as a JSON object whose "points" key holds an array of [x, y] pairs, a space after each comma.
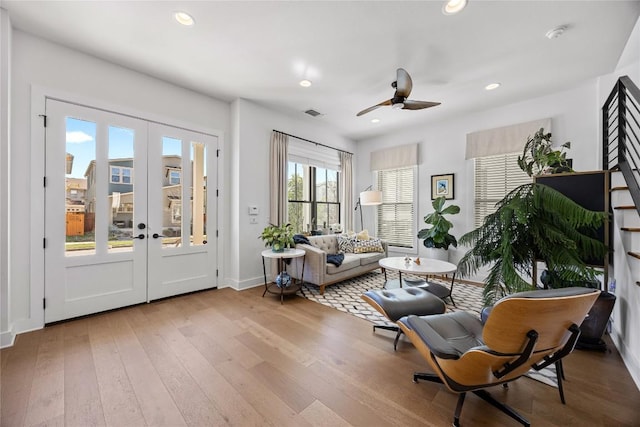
{"points": [[121, 175], [396, 217], [313, 197]]}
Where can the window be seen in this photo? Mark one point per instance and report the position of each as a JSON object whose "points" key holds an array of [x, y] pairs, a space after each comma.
{"points": [[121, 175], [176, 212], [495, 177], [313, 197], [174, 177], [396, 215]]}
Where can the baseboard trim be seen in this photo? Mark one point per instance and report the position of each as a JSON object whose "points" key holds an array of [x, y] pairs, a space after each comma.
{"points": [[629, 359], [245, 284], [7, 339]]}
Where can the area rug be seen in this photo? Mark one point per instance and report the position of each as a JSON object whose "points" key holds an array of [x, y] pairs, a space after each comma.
{"points": [[345, 296]]}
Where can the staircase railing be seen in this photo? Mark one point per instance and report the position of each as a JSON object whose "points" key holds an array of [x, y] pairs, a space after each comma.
{"points": [[621, 132]]}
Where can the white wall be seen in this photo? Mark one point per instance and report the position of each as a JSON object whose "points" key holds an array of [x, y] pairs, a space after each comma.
{"points": [[251, 175], [625, 269], [38, 64], [5, 99], [442, 148]]}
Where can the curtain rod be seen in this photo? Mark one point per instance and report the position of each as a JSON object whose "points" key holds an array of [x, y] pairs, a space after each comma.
{"points": [[312, 142]]}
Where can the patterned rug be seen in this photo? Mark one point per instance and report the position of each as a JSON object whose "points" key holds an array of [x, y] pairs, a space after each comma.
{"points": [[345, 296]]}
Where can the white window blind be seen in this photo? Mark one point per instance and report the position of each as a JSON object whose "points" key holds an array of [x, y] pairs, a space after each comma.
{"points": [[495, 177], [396, 216], [314, 155]]}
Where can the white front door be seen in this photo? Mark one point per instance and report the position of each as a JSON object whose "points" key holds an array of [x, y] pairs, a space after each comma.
{"points": [[182, 233], [117, 230]]}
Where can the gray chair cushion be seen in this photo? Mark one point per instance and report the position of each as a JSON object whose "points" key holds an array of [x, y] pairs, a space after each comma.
{"points": [[400, 302], [448, 335]]}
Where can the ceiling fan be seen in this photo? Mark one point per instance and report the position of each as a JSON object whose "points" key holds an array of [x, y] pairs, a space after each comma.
{"points": [[403, 86]]}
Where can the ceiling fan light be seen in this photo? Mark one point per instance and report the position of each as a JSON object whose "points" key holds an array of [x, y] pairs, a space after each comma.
{"points": [[451, 7], [398, 106]]}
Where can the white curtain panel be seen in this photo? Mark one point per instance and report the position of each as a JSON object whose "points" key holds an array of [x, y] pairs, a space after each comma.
{"points": [[278, 178], [346, 172]]}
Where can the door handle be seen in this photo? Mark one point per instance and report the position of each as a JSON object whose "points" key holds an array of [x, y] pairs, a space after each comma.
{"points": [[156, 235], [141, 226], [139, 236]]}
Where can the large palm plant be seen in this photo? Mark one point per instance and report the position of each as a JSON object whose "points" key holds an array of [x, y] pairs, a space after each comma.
{"points": [[533, 222]]}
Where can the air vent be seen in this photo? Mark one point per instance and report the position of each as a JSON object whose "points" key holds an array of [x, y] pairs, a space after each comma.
{"points": [[313, 113]]}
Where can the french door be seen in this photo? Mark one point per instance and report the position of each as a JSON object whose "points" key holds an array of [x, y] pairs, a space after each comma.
{"points": [[129, 204]]}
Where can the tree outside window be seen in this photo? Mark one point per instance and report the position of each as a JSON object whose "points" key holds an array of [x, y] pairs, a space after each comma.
{"points": [[314, 199]]}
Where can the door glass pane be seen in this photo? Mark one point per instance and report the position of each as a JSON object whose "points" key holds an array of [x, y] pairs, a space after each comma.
{"points": [[171, 192], [80, 192], [199, 194], [120, 189]]}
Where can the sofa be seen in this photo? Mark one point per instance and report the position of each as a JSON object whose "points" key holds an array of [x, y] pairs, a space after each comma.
{"points": [[320, 273]]}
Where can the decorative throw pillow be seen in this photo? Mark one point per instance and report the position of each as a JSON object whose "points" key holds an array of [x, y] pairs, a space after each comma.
{"points": [[363, 235], [364, 246], [345, 244]]}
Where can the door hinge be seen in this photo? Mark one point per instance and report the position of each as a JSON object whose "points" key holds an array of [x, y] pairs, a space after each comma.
{"points": [[218, 152], [216, 233], [216, 272], [216, 192], [44, 243], [44, 181], [44, 119], [44, 303]]}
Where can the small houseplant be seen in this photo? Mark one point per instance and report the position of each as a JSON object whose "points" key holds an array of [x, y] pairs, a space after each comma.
{"points": [[437, 235], [538, 155], [278, 237]]}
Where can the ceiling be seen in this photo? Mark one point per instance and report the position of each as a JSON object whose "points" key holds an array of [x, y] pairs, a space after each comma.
{"points": [[350, 50]]}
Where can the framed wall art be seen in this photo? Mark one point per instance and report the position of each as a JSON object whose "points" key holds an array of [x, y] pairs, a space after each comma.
{"points": [[442, 185]]}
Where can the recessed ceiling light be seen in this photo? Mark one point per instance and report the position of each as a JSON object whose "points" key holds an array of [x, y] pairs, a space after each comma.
{"points": [[184, 18], [556, 32], [305, 83], [492, 86], [451, 7], [375, 120]]}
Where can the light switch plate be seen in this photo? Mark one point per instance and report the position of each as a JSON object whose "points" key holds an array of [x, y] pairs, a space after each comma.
{"points": [[253, 210]]}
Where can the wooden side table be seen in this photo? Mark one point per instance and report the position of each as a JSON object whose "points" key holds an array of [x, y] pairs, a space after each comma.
{"points": [[272, 287]]}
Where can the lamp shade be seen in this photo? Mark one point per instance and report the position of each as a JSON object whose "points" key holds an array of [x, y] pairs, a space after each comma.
{"points": [[371, 198]]}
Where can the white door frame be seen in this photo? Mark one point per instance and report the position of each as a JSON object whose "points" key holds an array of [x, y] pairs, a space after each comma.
{"points": [[35, 318]]}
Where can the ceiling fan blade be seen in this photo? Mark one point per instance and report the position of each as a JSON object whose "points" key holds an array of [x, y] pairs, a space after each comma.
{"points": [[403, 83], [418, 105], [367, 110]]}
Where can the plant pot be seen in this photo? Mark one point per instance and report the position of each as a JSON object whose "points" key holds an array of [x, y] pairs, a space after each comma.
{"points": [[277, 249], [594, 325], [436, 253]]}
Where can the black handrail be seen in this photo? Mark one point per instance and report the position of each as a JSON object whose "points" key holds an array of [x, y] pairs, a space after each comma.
{"points": [[621, 134]]}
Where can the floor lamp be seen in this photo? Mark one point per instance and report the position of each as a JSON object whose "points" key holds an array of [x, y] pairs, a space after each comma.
{"points": [[368, 197]]}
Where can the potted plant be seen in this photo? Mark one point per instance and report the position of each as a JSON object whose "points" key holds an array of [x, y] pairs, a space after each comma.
{"points": [[437, 236], [532, 222], [278, 237], [538, 155]]}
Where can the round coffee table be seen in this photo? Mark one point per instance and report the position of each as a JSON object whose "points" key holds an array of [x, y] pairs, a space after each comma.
{"points": [[427, 267]]}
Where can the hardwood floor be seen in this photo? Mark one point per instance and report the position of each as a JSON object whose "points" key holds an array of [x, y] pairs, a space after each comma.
{"points": [[233, 358]]}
